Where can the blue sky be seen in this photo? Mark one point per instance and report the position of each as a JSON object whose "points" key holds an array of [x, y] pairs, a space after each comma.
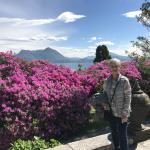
{"points": [[73, 27]]}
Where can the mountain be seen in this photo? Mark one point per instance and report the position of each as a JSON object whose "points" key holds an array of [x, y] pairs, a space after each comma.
{"points": [[46, 54], [113, 55], [55, 57]]}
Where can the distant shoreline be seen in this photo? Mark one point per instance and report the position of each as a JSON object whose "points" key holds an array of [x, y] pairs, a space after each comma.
{"points": [[74, 66]]}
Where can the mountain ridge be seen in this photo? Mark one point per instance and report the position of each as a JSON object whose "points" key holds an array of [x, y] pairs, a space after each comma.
{"points": [[55, 57]]}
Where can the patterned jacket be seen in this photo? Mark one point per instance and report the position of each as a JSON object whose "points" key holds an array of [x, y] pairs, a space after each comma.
{"points": [[121, 103]]}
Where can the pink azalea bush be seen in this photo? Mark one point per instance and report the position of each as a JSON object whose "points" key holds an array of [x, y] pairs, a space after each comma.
{"points": [[100, 71], [144, 68], [47, 100], [38, 98]]}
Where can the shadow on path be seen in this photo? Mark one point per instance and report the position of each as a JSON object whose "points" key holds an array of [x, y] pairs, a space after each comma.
{"points": [[131, 147]]}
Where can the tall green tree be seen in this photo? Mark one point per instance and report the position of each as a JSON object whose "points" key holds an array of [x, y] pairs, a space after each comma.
{"points": [[144, 17], [102, 53], [142, 43]]}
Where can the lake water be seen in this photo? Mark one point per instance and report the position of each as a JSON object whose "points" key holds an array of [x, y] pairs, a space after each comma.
{"points": [[74, 66]]}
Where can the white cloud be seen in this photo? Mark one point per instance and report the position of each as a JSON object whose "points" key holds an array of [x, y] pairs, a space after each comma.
{"points": [[90, 51], [121, 49], [69, 17], [92, 47], [49, 38], [94, 38], [16, 34], [16, 38], [16, 46], [36, 38], [131, 49], [91, 39], [66, 17], [25, 22], [104, 42], [132, 14], [75, 52], [109, 43]]}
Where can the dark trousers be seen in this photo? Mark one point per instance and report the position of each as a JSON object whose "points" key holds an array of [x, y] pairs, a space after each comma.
{"points": [[119, 133]]}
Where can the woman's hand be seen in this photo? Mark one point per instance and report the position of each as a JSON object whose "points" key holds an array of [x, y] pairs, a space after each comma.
{"points": [[105, 106]]}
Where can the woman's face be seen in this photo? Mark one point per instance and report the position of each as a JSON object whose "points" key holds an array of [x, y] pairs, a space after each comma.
{"points": [[115, 68]]}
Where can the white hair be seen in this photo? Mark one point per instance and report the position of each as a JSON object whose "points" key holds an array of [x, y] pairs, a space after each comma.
{"points": [[115, 61]]}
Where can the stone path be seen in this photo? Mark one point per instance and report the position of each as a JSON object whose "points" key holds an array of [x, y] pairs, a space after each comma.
{"points": [[144, 145], [100, 142], [141, 146], [88, 146]]}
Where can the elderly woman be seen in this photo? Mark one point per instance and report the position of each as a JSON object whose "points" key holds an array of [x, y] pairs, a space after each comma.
{"points": [[118, 90]]}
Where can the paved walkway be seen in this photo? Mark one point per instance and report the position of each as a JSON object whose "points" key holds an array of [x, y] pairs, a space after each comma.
{"points": [[100, 142], [94, 144], [141, 146]]}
